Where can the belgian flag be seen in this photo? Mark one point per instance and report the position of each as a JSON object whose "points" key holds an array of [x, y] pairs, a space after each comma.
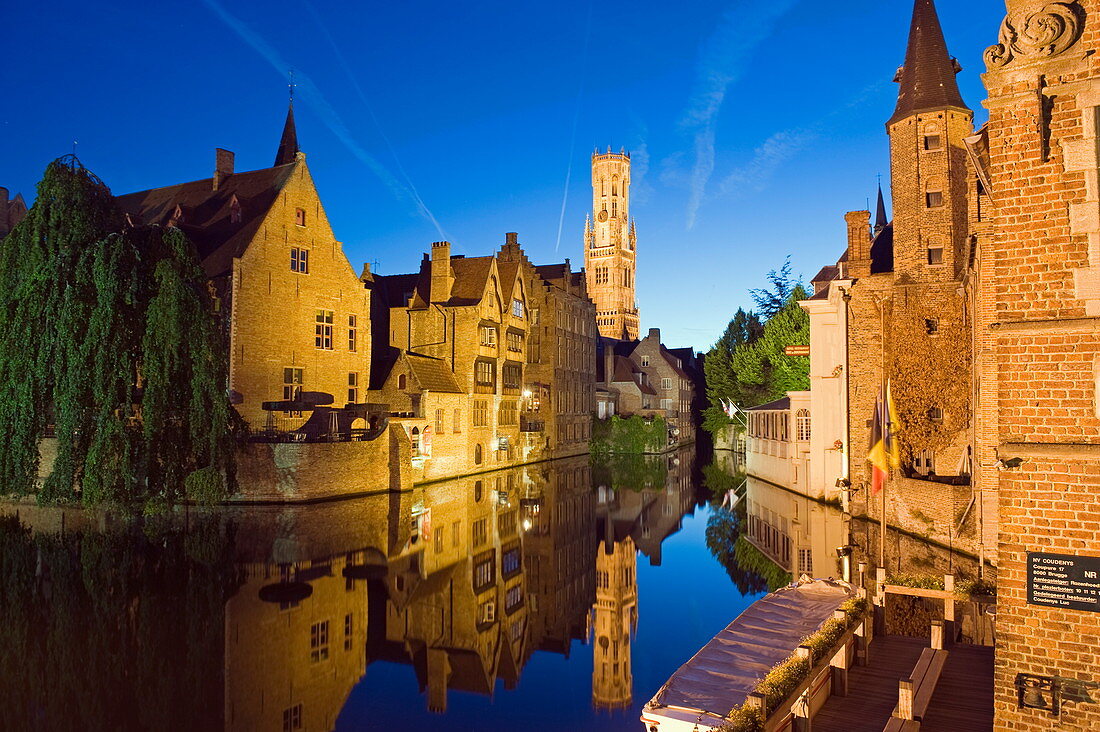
{"points": [[883, 452]]}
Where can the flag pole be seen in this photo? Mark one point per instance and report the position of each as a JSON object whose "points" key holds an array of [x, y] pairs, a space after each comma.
{"points": [[885, 427]]}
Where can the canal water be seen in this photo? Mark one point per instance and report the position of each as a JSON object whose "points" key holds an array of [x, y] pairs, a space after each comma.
{"points": [[557, 596]]}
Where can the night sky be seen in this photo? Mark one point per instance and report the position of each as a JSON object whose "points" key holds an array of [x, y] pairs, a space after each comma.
{"points": [[753, 125]]}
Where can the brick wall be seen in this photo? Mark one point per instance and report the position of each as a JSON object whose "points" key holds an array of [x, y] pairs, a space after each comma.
{"points": [[1035, 294]]}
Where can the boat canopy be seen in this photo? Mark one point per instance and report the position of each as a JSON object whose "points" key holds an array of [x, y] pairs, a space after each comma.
{"points": [[721, 675]]}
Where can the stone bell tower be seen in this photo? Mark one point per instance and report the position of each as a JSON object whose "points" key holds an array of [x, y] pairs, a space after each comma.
{"points": [[610, 244]]}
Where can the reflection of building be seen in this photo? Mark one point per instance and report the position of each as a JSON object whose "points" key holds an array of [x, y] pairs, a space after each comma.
{"points": [[798, 533], [615, 618], [291, 661]]}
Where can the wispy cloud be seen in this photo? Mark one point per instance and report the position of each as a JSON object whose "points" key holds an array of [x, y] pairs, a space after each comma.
{"points": [[722, 62], [766, 159], [312, 96], [573, 134], [640, 187]]}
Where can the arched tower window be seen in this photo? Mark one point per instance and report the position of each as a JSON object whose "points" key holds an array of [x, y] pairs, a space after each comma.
{"points": [[802, 424], [477, 454], [401, 381]]}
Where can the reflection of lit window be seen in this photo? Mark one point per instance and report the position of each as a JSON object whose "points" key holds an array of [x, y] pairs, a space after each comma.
{"points": [[292, 718], [318, 641], [513, 598], [480, 532], [348, 627], [484, 574]]}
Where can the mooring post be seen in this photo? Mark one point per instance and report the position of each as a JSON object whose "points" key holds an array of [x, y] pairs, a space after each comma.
{"points": [[880, 600], [839, 662], [949, 609], [905, 699], [937, 634]]}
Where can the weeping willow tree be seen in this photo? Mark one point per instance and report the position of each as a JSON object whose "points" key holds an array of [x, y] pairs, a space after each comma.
{"points": [[108, 336]]}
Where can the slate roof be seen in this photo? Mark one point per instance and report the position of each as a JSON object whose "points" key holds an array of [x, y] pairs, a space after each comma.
{"points": [[207, 214], [928, 77], [432, 374], [777, 405], [882, 250]]}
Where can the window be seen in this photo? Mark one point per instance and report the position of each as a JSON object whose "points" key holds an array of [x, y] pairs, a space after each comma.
{"points": [[456, 421], [318, 641], [485, 373], [512, 375], [481, 413], [513, 598], [517, 308], [353, 388], [292, 384], [322, 330], [935, 255], [235, 211], [300, 216], [480, 532], [515, 342], [439, 421], [666, 404], [488, 335], [932, 326], [666, 384], [924, 462], [479, 490], [509, 562], [414, 437], [292, 718], [456, 532], [932, 142], [402, 381], [806, 562], [438, 537], [933, 199], [645, 361], [507, 522], [478, 454], [935, 414], [614, 209], [299, 260], [601, 275], [508, 414], [802, 424], [353, 333], [484, 571], [348, 628], [534, 316]]}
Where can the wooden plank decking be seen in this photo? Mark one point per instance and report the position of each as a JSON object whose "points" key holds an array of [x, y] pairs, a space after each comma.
{"points": [[963, 699]]}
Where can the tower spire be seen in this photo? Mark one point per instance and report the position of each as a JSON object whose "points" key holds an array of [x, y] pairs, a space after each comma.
{"points": [[288, 144], [880, 213], [928, 77]]}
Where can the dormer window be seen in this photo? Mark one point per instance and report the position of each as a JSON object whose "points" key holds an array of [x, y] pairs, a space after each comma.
{"points": [[517, 308], [300, 216], [234, 211]]}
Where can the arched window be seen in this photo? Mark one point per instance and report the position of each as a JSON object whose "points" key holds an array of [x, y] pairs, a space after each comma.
{"points": [[802, 423], [415, 441], [401, 382], [477, 454], [477, 485]]}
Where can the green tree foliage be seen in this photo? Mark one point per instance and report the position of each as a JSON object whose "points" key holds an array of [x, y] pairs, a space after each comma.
{"points": [[90, 619], [127, 363], [723, 537], [722, 381], [763, 369], [772, 299]]}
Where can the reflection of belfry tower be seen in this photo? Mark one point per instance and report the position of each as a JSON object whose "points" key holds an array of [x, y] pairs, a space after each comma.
{"points": [[609, 247], [616, 618]]}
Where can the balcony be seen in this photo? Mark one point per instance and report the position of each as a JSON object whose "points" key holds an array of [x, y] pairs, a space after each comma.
{"points": [[527, 424]]}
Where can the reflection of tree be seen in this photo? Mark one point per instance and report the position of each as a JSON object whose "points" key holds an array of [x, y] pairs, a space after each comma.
{"points": [[114, 630], [719, 482], [630, 471], [723, 531]]}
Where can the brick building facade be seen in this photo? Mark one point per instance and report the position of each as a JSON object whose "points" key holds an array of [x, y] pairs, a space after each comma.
{"points": [[1038, 301]]}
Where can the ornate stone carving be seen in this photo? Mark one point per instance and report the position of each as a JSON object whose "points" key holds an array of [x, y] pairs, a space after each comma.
{"points": [[1036, 34]]}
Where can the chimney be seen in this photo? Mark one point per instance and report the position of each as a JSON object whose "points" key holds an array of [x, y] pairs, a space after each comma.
{"points": [[655, 334], [442, 276], [859, 243], [608, 363], [511, 238], [223, 166]]}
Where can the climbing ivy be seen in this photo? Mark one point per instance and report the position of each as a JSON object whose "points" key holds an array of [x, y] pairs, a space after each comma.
{"points": [[108, 335]]}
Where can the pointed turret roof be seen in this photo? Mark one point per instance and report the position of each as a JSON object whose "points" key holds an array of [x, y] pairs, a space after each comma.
{"points": [[288, 145], [928, 77], [880, 213]]}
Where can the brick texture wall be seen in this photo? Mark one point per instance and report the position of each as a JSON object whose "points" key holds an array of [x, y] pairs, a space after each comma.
{"points": [[1035, 294]]}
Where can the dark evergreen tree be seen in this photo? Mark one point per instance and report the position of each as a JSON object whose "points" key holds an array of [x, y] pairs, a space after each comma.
{"points": [[771, 300]]}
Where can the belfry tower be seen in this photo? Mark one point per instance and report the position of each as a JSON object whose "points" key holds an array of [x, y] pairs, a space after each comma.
{"points": [[614, 621], [610, 247]]}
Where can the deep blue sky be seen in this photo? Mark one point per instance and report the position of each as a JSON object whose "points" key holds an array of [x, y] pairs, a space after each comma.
{"points": [[754, 125]]}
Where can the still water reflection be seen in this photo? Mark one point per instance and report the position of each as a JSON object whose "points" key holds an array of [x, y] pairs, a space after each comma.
{"points": [[554, 596]]}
